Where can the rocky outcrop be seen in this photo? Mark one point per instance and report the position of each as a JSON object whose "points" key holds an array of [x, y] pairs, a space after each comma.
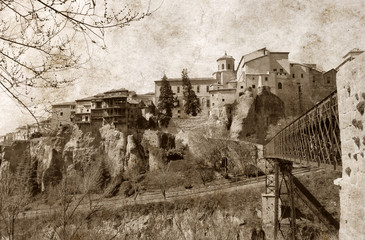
{"points": [[17, 152], [113, 146], [52, 174], [241, 110], [251, 123], [155, 143], [134, 159], [156, 158]]}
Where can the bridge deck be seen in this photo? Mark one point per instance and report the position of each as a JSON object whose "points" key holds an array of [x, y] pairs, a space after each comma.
{"points": [[314, 137]]}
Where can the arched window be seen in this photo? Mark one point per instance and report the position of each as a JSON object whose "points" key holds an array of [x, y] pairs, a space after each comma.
{"points": [[229, 66], [280, 86], [223, 66]]}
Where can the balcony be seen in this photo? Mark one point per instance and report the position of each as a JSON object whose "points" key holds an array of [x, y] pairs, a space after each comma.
{"points": [[121, 105], [114, 115]]}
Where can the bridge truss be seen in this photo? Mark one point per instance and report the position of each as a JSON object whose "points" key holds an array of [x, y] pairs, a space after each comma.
{"points": [[312, 139]]}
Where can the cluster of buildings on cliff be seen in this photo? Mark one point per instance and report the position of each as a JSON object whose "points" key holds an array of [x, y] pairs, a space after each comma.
{"points": [[299, 85], [120, 107]]}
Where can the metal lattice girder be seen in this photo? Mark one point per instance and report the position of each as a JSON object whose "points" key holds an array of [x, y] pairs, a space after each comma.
{"points": [[313, 138], [270, 177]]}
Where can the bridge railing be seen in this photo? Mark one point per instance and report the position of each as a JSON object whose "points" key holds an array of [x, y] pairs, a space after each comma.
{"points": [[314, 137]]}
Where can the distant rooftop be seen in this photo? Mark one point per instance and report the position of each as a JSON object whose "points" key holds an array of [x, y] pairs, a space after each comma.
{"points": [[117, 90], [355, 51], [225, 56], [85, 99], [64, 104], [191, 79]]}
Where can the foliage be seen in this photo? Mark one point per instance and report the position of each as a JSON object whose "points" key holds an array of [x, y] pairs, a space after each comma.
{"points": [[113, 188], [102, 176], [166, 98], [165, 102], [191, 105], [164, 120]]}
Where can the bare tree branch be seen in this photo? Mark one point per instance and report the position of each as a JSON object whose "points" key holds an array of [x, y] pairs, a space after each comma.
{"points": [[41, 37]]}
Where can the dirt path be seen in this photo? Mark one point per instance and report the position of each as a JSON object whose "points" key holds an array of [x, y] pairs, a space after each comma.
{"points": [[156, 195]]}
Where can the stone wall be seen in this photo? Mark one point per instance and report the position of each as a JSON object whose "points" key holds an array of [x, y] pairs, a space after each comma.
{"points": [[351, 93]]}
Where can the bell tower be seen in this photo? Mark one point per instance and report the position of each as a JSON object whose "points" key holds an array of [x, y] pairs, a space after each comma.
{"points": [[226, 70]]}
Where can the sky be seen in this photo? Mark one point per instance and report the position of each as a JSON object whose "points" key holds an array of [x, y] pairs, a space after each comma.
{"points": [[192, 34]]}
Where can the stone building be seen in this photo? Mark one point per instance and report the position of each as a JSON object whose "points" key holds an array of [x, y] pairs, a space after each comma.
{"points": [[200, 87], [223, 91], [83, 110], [351, 55], [111, 107], [62, 114], [299, 85]]}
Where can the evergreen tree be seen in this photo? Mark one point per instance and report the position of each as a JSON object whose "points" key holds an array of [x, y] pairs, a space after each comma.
{"points": [[166, 98], [191, 105]]}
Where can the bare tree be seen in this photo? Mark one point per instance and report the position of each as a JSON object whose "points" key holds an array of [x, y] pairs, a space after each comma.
{"points": [[74, 210], [14, 197], [40, 39]]}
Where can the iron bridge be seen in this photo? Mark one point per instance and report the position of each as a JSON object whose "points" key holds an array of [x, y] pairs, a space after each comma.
{"points": [[313, 139]]}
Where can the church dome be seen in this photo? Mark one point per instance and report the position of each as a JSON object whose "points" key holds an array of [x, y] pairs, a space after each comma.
{"points": [[225, 56]]}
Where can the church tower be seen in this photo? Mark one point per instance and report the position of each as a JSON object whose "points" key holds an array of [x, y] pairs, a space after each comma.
{"points": [[226, 70]]}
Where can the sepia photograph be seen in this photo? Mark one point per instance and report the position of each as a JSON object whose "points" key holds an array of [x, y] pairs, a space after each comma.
{"points": [[194, 119]]}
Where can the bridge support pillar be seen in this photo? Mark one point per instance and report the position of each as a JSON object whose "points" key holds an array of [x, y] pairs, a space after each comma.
{"points": [[270, 199], [278, 200]]}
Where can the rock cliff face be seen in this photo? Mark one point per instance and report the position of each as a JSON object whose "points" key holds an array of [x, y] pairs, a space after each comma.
{"points": [[77, 151], [240, 113], [113, 145], [154, 143], [251, 117]]}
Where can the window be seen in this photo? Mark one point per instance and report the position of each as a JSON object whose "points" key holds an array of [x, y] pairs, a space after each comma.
{"points": [[86, 118], [241, 87], [178, 111], [207, 88], [274, 69], [280, 86], [266, 78], [208, 103], [293, 75], [213, 104], [229, 66], [300, 89], [222, 66], [301, 75], [198, 89], [253, 86], [178, 90], [222, 99], [281, 70], [253, 78], [61, 113], [328, 80], [314, 79]]}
